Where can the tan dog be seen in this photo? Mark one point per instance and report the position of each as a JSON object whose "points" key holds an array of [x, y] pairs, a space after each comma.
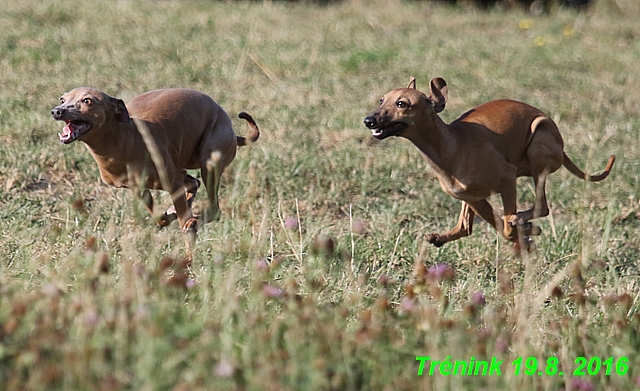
{"points": [[480, 154], [152, 142]]}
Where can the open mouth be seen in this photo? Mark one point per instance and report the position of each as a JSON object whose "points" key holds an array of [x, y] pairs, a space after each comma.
{"points": [[72, 130], [390, 129]]}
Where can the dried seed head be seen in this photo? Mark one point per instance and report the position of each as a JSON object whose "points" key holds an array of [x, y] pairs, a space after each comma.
{"points": [[625, 301], [365, 316], [578, 298], [420, 271], [324, 246], [382, 303], [184, 263], [177, 280], [506, 281], [9, 327], [383, 280], [102, 263], [78, 205], [165, 264], [90, 244]]}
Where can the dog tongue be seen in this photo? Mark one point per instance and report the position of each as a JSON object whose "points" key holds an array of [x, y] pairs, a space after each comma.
{"points": [[66, 134]]}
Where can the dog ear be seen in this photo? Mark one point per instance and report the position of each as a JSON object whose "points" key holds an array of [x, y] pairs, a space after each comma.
{"points": [[122, 114], [412, 83], [439, 93]]}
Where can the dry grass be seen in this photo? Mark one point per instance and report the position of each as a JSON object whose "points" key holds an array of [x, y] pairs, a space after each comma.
{"points": [[317, 277]]}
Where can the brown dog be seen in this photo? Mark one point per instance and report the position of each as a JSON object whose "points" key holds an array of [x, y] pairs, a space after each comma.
{"points": [[152, 142], [480, 154]]}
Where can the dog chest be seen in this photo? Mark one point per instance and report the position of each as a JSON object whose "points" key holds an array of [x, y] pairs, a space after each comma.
{"points": [[119, 175], [452, 186]]}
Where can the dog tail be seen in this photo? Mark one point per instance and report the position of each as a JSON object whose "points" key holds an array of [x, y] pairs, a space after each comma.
{"points": [[580, 174], [255, 131]]}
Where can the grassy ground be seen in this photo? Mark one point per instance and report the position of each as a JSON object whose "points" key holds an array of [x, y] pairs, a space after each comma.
{"points": [[318, 276]]}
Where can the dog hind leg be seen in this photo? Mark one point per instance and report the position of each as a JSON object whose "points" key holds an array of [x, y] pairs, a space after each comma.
{"points": [[545, 156], [211, 176]]}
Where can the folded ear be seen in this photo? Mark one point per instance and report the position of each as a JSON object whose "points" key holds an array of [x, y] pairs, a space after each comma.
{"points": [[439, 93], [122, 114], [412, 83]]}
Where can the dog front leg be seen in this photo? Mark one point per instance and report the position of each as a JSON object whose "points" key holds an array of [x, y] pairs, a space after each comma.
{"points": [[462, 229], [211, 177], [147, 200]]}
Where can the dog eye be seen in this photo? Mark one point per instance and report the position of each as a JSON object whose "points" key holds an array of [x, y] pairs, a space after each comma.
{"points": [[87, 101], [61, 100], [381, 100], [401, 105]]}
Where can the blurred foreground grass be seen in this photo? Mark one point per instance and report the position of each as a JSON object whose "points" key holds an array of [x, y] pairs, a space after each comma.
{"points": [[317, 277]]}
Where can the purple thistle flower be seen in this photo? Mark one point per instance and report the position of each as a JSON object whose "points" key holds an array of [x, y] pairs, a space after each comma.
{"points": [[478, 299], [359, 227], [291, 223], [262, 265], [273, 291], [440, 272], [223, 369], [578, 384]]}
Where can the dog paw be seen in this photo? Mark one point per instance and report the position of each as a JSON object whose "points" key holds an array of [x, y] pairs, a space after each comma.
{"points": [[166, 219], [514, 221], [528, 244], [525, 244], [528, 229], [532, 246], [191, 226], [435, 239], [510, 233]]}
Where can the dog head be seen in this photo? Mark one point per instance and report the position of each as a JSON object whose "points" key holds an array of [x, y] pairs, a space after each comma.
{"points": [[83, 109], [402, 108]]}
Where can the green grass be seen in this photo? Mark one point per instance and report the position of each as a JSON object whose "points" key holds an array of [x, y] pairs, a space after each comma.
{"points": [[93, 297]]}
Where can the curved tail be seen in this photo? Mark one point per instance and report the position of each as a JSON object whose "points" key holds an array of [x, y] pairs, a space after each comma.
{"points": [[580, 174], [255, 131]]}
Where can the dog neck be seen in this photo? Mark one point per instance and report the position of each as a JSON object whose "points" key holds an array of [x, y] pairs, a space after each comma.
{"points": [[436, 142], [108, 144]]}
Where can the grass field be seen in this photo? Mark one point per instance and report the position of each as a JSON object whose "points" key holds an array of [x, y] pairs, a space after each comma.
{"points": [[318, 276]]}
